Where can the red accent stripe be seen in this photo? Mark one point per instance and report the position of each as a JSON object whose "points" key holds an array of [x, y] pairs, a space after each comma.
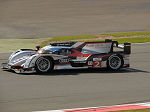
{"points": [[111, 108]]}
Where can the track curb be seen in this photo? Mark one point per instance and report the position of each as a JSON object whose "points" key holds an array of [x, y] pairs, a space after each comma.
{"points": [[112, 108]]}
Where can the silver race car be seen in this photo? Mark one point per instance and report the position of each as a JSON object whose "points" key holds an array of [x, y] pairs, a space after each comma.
{"points": [[70, 55]]}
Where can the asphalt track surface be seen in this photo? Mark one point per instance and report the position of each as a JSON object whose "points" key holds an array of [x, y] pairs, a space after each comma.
{"points": [[77, 88], [50, 18]]}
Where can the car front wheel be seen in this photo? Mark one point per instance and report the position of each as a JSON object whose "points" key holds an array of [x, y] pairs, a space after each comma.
{"points": [[43, 64]]}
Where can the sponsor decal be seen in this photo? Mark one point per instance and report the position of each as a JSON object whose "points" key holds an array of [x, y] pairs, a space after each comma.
{"points": [[107, 45], [64, 60], [97, 59], [90, 63]]}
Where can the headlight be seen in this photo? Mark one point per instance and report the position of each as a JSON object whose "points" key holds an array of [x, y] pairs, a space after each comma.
{"points": [[42, 51]]}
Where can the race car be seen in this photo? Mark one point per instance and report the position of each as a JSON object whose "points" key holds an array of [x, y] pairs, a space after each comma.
{"points": [[70, 55]]}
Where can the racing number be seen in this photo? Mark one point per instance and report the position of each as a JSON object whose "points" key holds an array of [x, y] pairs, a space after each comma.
{"points": [[97, 64]]}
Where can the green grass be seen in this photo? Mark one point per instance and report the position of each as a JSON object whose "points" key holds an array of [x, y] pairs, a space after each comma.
{"points": [[145, 37], [130, 40], [120, 40], [140, 110], [127, 34], [9, 45], [67, 38], [133, 40]]}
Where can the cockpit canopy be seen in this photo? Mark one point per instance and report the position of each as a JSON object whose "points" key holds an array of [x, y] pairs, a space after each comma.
{"points": [[55, 50]]}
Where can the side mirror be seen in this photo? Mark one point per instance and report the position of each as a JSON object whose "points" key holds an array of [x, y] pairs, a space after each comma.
{"points": [[115, 43], [37, 47]]}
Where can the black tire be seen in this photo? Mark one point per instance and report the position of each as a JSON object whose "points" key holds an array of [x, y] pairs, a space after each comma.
{"points": [[114, 62], [44, 64]]}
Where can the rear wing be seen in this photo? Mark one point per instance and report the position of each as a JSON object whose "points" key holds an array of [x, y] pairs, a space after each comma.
{"points": [[126, 47]]}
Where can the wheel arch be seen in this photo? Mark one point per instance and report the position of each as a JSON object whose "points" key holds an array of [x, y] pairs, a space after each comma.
{"points": [[31, 61]]}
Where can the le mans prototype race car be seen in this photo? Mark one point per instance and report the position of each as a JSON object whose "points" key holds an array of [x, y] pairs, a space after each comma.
{"points": [[70, 55]]}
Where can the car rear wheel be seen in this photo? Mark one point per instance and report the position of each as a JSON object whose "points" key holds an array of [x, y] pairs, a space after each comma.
{"points": [[114, 62], [43, 64]]}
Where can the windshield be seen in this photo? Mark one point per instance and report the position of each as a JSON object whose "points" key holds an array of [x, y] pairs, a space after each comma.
{"points": [[49, 49]]}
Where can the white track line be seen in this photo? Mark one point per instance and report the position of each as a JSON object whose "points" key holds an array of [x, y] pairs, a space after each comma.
{"points": [[144, 104]]}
